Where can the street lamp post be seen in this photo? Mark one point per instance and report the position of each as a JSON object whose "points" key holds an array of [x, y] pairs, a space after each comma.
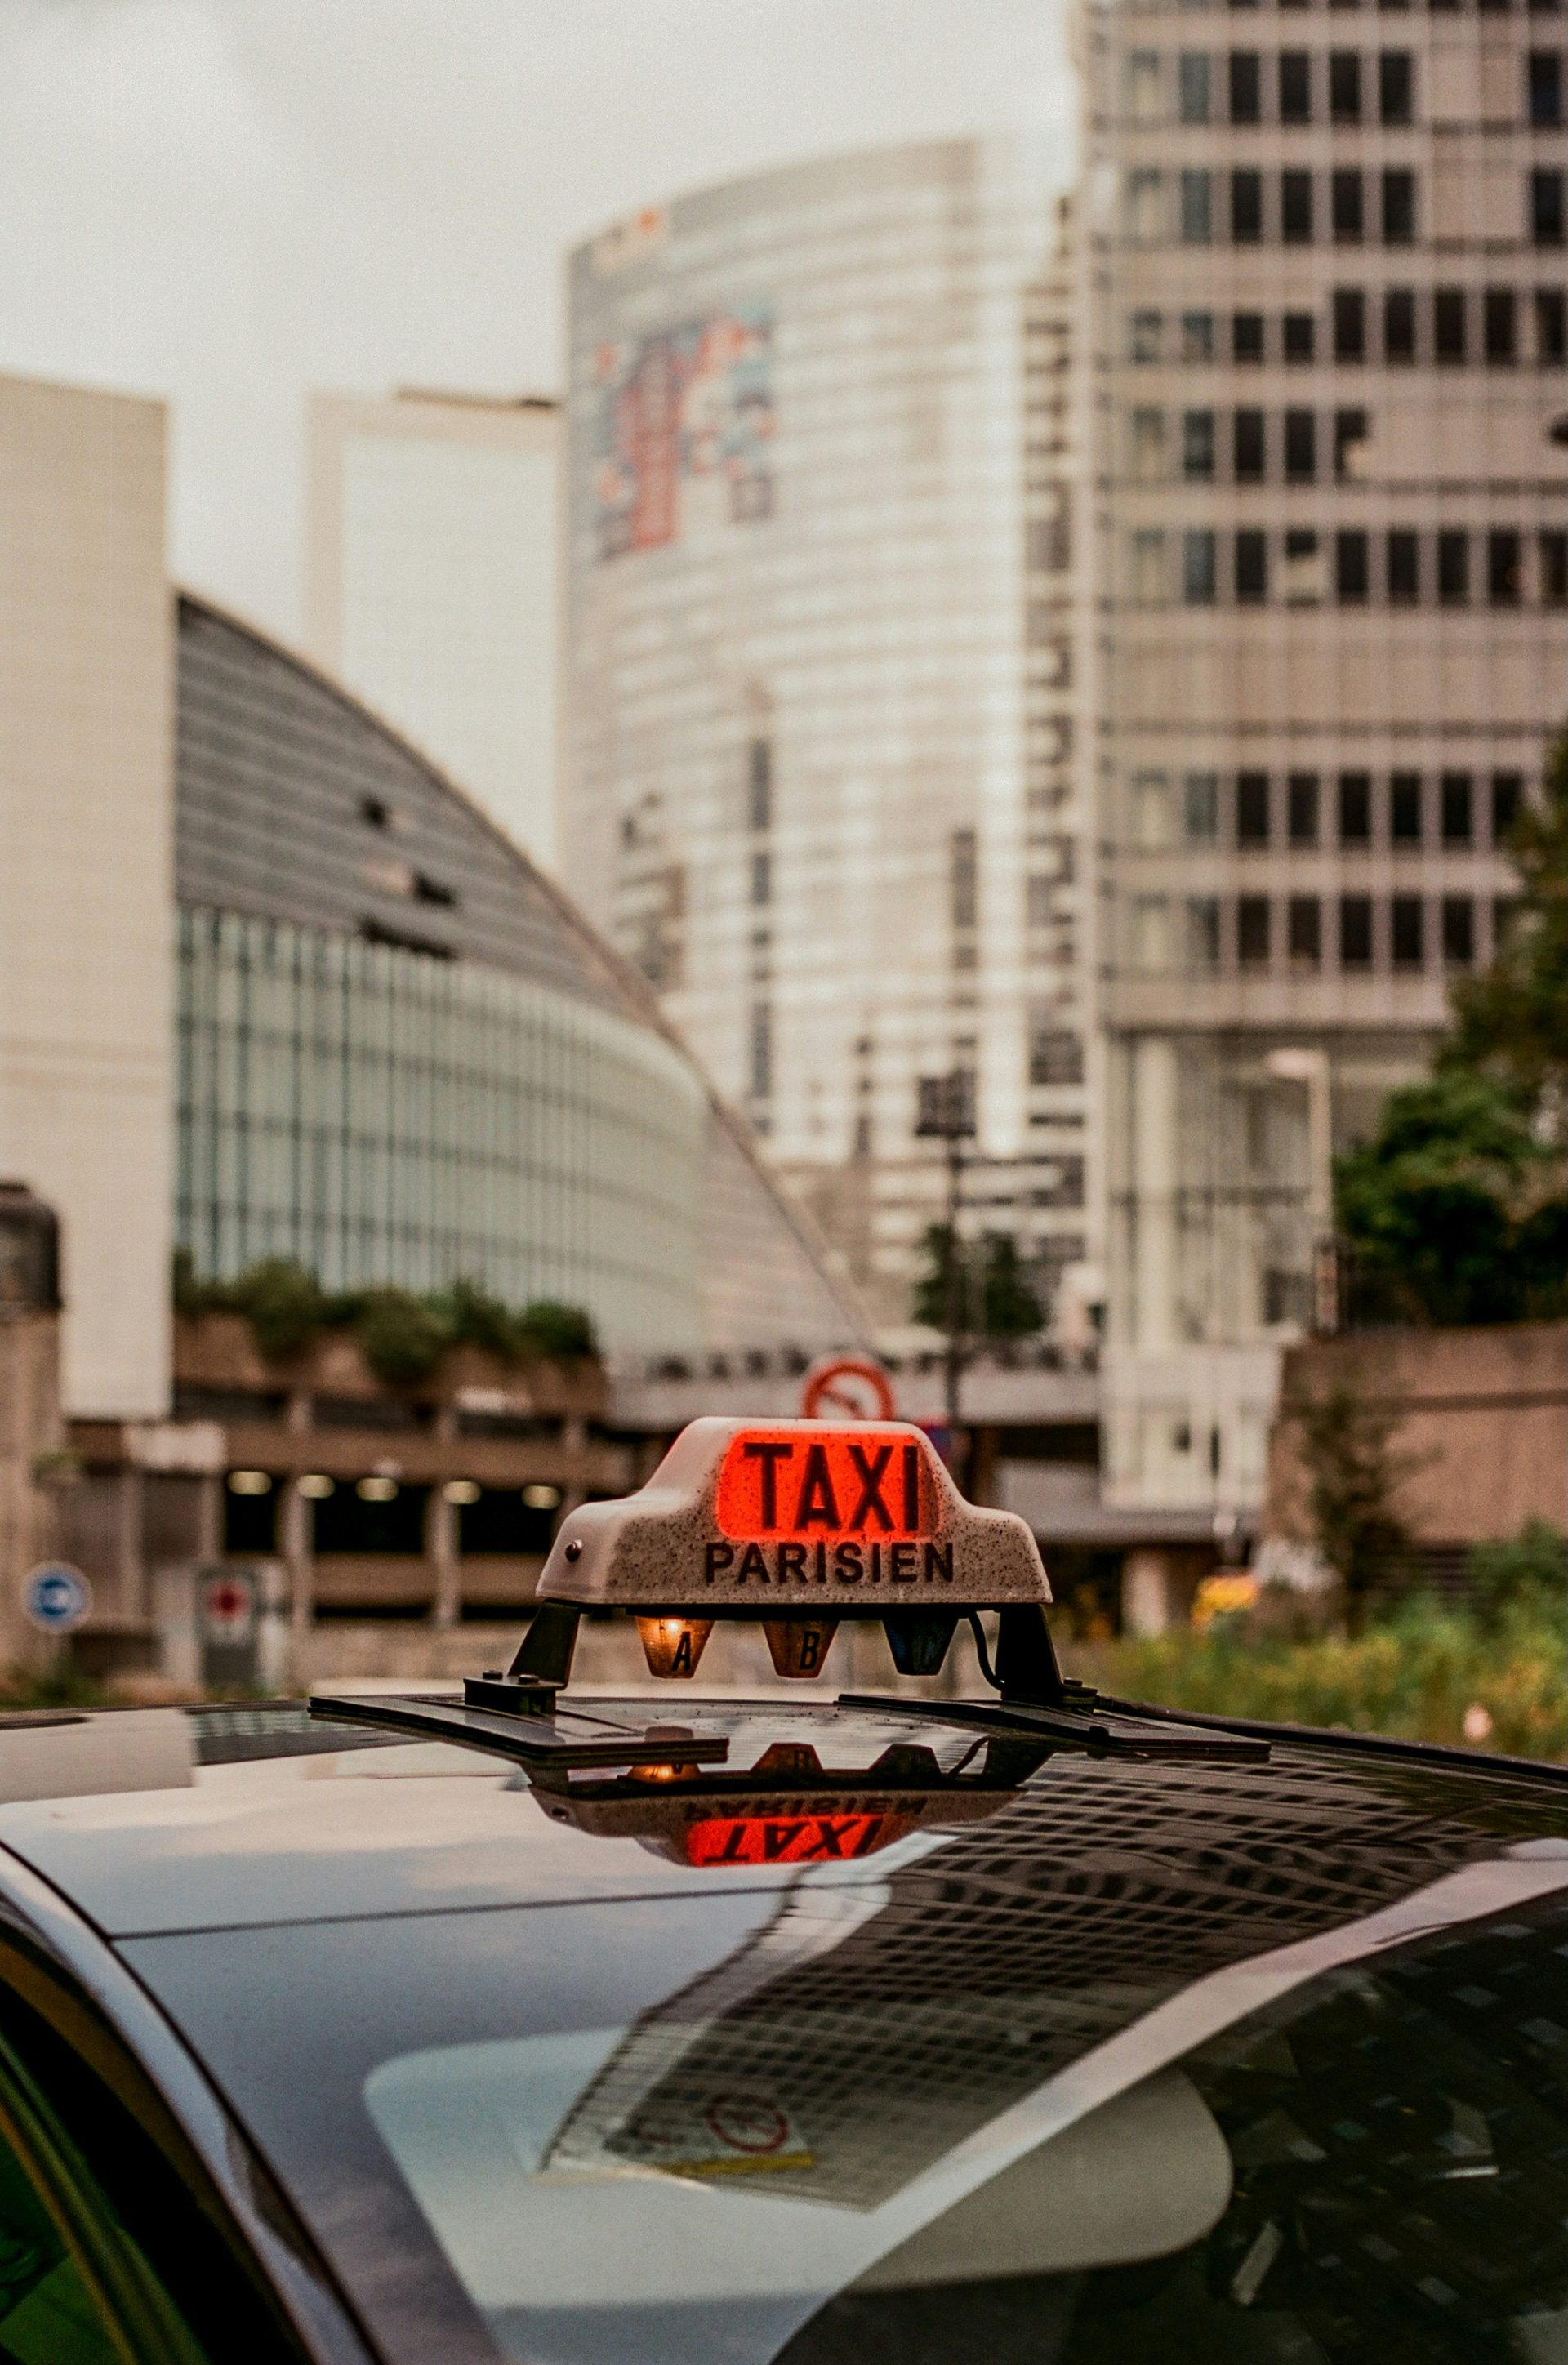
{"points": [[947, 1113]]}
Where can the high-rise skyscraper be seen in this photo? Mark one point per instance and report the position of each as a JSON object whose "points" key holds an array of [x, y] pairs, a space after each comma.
{"points": [[821, 689], [434, 571], [1325, 418]]}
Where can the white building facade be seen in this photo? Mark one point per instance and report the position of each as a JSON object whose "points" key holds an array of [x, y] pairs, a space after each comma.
{"points": [[824, 682], [432, 592], [87, 890], [1325, 415]]}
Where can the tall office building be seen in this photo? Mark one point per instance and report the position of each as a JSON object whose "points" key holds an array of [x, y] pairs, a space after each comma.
{"points": [[86, 894], [1326, 422], [433, 566], [819, 777]]}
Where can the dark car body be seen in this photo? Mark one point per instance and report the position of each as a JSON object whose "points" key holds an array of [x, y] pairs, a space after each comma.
{"points": [[423, 2058]]}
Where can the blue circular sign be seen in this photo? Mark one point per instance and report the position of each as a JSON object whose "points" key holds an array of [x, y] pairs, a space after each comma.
{"points": [[56, 1597]]}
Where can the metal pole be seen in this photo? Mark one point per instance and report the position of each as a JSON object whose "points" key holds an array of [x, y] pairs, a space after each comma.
{"points": [[956, 1285]]}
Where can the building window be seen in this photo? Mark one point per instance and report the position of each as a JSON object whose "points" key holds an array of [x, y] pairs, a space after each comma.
{"points": [[1355, 932], [1347, 215], [1399, 325], [1193, 86], [1295, 208], [1554, 569], [1144, 94], [1448, 325], [1247, 337], [1405, 808], [1252, 931], [1505, 567], [1197, 336], [1200, 810], [1550, 327], [1459, 931], [1407, 932], [1197, 446], [1250, 451], [1350, 444], [1252, 808], [761, 1051], [1404, 567], [1498, 312], [1456, 800], [1146, 207], [1245, 87], [1303, 578], [963, 878], [1300, 446], [759, 784], [1545, 79], [1546, 207], [1148, 586], [1351, 569], [761, 877], [1295, 87], [1398, 207], [1203, 932], [1199, 573], [1144, 336], [1301, 803], [1395, 86], [1305, 927], [1507, 797], [1251, 567], [1345, 85], [1197, 210], [1355, 808], [1453, 568], [1246, 209], [1055, 1057], [1147, 437], [1300, 338], [1350, 324]]}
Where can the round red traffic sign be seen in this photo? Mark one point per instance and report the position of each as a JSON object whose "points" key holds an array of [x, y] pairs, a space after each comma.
{"points": [[747, 2123], [847, 1387]]}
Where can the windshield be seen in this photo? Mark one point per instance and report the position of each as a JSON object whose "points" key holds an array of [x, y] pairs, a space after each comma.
{"points": [[1276, 2056]]}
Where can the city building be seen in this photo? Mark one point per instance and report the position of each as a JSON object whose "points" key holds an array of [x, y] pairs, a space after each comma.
{"points": [[86, 923], [820, 778], [404, 1057], [1324, 418], [432, 584]]}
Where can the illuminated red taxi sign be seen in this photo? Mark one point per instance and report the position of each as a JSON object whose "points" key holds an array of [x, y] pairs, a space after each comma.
{"points": [[762, 1518], [842, 1507]]}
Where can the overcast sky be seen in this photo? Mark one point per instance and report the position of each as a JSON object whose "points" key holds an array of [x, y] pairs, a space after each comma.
{"points": [[231, 202]]}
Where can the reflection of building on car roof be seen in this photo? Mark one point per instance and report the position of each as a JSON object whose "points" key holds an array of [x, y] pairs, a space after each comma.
{"points": [[888, 2036]]}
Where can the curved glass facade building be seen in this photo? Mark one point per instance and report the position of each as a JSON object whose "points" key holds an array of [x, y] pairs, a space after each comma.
{"points": [[403, 1056], [819, 784]]}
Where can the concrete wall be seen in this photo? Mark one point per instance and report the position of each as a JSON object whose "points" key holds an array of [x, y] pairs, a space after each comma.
{"points": [[1482, 1425], [86, 918]]}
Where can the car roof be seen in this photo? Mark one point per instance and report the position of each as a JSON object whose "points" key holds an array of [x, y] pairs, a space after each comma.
{"points": [[157, 1820]]}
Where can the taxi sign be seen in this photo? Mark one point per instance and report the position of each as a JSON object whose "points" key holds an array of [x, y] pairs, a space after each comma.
{"points": [[840, 1519]]}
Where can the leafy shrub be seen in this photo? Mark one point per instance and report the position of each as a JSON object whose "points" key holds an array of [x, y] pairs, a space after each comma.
{"points": [[1522, 1579], [402, 1334]]}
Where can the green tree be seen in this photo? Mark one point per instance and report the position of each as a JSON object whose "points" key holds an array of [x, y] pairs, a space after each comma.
{"points": [[1456, 1210], [1433, 1203], [1009, 1307], [991, 1288], [1522, 1577], [1352, 1479], [1511, 1020]]}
